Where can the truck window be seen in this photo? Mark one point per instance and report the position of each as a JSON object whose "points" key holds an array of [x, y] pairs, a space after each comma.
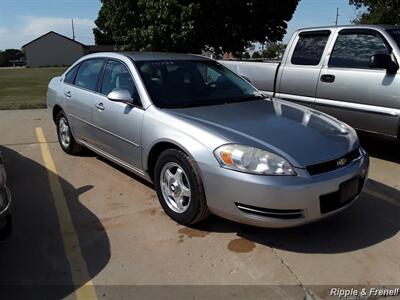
{"points": [[309, 48], [353, 50], [395, 33]]}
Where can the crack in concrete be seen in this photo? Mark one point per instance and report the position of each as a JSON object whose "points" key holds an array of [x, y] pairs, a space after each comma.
{"points": [[287, 267], [308, 294]]}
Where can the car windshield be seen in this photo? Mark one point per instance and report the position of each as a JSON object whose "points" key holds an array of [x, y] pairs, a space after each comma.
{"points": [[395, 34], [188, 83]]}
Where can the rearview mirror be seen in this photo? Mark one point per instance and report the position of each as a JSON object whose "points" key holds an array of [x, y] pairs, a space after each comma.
{"points": [[121, 95], [383, 61]]}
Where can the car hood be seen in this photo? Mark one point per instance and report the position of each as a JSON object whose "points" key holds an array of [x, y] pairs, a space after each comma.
{"points": [[300, 134]]}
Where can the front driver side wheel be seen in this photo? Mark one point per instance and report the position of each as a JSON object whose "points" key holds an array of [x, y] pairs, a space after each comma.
{"points": [[65, 137], [179, 187]]}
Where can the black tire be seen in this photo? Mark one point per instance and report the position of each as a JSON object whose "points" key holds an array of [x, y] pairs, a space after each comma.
{"points": [[197, 208], [73, 147]]}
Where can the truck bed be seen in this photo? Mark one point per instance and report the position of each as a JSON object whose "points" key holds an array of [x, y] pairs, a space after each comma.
{"points": [[260, 74]]}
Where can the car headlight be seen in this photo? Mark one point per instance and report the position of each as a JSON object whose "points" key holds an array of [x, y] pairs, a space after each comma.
{"points": [[252, 160]]}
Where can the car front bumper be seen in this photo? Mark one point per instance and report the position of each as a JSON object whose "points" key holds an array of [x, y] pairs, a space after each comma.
{"points": [[279, 201], [5, 215]]}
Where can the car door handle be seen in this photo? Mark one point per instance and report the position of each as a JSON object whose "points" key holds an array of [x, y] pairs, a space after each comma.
{"points": [[68, 94], [100, 106], [328, 78]]}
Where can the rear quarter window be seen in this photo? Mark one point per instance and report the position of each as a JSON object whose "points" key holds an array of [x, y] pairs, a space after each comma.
{"points": [[70, 76], [309, 48]]}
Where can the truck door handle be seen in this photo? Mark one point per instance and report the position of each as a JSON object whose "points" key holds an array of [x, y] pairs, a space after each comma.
{"points": [[68, 94], [100, 106], [328, 78]]}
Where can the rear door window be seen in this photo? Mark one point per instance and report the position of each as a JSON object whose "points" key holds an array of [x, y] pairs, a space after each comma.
{"points": [[354, 50], [309, 48], [88, 74]]}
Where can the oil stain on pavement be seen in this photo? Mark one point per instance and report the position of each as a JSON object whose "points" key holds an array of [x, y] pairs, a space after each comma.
{"points": [[240, 245], [193, 233]]}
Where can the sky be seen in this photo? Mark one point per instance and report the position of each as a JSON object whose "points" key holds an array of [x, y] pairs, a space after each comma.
{"points": [[24, 20]]}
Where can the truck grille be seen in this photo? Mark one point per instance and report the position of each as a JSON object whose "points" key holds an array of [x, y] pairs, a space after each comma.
{"points": [[334, 164], [270, 213]]}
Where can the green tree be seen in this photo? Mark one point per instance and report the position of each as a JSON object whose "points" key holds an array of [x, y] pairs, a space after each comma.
{"points": [[10, 54], [377, 11], [256, 55], [246, 55], [273, 50], [103, 36], [192, 25]]}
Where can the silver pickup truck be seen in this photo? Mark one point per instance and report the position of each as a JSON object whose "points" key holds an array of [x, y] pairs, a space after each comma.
{"points": [[350, 72]]}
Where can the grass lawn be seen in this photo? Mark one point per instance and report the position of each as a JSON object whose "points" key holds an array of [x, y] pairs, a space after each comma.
{"points": [[24, 88]]}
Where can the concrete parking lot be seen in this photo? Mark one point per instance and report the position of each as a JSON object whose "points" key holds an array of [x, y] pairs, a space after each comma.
{"points": [[85, 228]]}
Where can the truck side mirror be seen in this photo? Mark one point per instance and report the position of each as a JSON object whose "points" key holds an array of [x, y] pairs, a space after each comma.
{"points": [[383, 61]]}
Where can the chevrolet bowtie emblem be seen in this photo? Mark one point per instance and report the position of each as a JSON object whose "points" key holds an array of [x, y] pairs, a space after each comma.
{"points": [[341, 162]]}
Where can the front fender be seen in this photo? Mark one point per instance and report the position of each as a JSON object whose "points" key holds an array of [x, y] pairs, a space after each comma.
{"points": [[159, 127]]}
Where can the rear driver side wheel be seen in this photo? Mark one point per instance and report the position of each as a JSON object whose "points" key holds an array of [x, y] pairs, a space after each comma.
{"points": [[179, 187], [65, 137]]}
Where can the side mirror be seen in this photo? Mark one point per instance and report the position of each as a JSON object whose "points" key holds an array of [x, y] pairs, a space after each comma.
{"points": [[120, 95], [383, 61]]}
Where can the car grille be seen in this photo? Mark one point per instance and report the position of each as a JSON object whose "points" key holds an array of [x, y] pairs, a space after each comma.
{"points": [[270, 213], [334, 164]]}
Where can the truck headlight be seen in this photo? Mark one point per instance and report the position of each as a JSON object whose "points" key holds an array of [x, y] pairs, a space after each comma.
{"points": [[252, 160]]}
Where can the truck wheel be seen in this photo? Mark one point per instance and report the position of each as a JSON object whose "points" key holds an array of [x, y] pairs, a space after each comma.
{"points": [[65, 137], [179, 187]]}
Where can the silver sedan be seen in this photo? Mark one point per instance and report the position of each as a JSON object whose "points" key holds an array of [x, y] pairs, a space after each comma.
{"points": [[208, 139]]}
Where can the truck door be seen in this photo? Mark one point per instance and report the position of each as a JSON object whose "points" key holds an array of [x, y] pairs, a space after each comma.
{"points": [[349, 89], [301, 68]]}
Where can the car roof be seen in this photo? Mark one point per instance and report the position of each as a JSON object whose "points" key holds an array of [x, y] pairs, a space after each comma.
{"points": [[355, 26], [151, 56]]}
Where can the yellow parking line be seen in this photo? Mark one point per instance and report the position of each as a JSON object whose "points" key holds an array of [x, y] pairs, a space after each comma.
{"points": [[80, 275]]}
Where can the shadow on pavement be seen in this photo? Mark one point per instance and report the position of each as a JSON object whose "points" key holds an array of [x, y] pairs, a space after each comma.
{"points": [[380, 148], [124, 171], [373, 218], [33, 261]]}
